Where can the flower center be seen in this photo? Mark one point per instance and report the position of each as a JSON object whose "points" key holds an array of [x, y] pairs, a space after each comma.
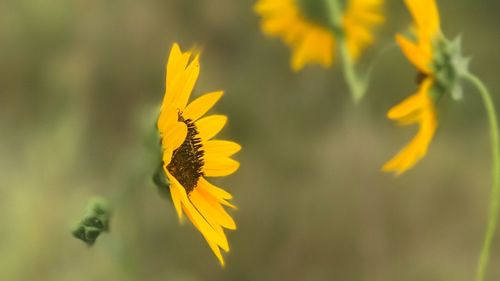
{"points": [[317, 10], [187, 162]]}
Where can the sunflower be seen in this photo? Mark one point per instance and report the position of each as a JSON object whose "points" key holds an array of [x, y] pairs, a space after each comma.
{"points": [[307, 29], [418, 108], [190, 153]]}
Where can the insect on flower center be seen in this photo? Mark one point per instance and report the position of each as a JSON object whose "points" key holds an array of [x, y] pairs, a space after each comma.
{"points": [[187, 162]]}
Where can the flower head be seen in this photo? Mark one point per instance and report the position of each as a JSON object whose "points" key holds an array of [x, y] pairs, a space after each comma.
{"points": [[190, 153], [309, 31], [439, 64], [419, 108]]}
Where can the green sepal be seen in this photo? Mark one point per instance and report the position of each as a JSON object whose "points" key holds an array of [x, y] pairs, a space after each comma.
{"points": [[450, 65], [161, 181]]}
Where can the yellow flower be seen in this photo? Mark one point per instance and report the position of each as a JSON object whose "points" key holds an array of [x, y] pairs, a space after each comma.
{"points": [[190, 153], [306, 28], [419, 108]]}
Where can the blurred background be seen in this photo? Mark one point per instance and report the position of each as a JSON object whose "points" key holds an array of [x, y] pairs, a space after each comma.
{"points": [[80, 84]]}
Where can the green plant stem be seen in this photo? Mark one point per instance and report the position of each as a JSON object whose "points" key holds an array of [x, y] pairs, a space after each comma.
{"points": [[495, 188], [357, 86]]}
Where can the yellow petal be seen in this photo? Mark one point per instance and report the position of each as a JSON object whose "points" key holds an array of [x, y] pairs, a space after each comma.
{"points": [[176, 66], [215, 191], [167, 118], [210, 126], [316, 46], [410, 119], [210, 234], [426, 16], [407, 157], [216, 251], [410, 106], [414, 151], [221, 148], [416, 55], [175, 193], [219, 166], [201, 105], [176, 63], [227, 204], [186, 85], [213, 206], [207, 212], [173, 137], [359, 20]]}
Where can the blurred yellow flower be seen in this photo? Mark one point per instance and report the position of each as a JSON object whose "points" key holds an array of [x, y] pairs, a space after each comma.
{"points": [[190, 153], [308, 30], [419, 108]]}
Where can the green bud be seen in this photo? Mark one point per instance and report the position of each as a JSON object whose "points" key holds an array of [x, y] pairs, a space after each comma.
{"points": [[95, 221]]}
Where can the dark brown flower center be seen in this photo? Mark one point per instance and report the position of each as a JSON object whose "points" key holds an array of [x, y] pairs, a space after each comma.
{"points": [[187, 162]]}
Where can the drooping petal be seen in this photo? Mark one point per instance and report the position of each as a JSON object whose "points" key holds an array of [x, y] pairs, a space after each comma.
{"points": [[208, 232], [418, 108], [212, 211], [216, 250], [197, 108], [205, 210], [410, 106], [215, 191], [214, 205], [175, 193], [210, 126], [416, 149], [204, 227]]}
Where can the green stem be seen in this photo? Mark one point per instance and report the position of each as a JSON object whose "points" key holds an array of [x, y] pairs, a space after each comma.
{"points": [[357, 86], [495, 188]]}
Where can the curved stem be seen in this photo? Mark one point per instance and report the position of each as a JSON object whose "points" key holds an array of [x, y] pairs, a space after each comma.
{"points": [[495, 188], [357, 86]]}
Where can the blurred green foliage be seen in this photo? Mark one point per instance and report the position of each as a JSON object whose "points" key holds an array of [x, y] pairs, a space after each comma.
{"points": [[78, 78]]}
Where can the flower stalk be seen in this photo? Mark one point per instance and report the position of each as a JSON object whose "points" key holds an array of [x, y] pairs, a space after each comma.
{"points": [[357, 85], [495, 188]]}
